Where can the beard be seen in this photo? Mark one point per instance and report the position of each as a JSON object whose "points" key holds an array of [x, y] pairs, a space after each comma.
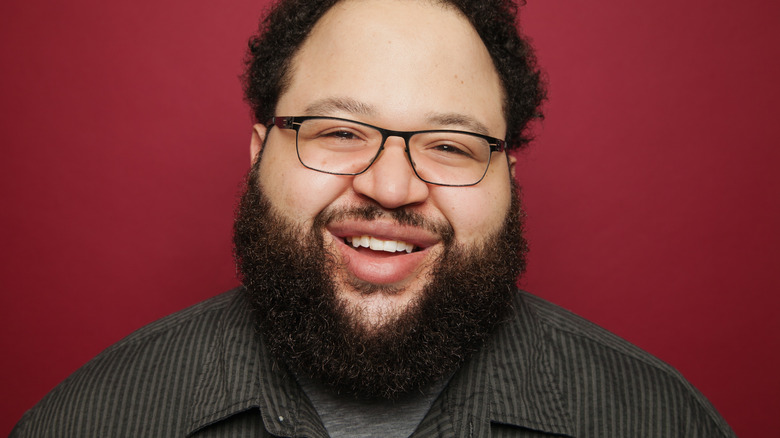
{"points": [[289, 277]]}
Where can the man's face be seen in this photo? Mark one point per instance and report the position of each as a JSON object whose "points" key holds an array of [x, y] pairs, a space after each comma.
{"points": [[403, 66]]}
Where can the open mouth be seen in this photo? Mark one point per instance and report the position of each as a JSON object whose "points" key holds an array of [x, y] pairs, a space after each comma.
{"points": [[378, 255], [391, 246]]}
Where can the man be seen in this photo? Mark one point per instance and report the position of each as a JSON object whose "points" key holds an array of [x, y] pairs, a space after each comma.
{"points": [[379, 241]]}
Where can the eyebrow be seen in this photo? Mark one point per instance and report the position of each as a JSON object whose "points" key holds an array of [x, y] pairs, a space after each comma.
{"points": [[324, 107], [457, 120]]}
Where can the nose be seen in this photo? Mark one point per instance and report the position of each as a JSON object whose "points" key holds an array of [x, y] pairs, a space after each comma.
{"points": [[391, 181]]}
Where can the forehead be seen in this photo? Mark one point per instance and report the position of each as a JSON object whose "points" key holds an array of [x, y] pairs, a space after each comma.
{"points": [[398, 61]]}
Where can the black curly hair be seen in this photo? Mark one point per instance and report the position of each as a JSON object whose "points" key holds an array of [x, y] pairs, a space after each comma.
{"points": [[289, 22]]}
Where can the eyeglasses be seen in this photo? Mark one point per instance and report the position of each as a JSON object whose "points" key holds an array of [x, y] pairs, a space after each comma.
{"points": [[345, 147]]}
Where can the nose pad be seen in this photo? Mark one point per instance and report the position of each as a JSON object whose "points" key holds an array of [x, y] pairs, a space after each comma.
{"points": [[391, 180]]}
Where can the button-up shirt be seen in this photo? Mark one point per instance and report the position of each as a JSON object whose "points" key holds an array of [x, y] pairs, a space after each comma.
{"points": [[205, 372]]}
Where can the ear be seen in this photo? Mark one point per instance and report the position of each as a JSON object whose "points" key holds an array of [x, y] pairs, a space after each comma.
{"points": [[511, 160], [256, 143]]}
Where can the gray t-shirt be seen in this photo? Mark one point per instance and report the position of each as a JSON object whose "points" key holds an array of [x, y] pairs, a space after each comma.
{"points": [[347, 417]]}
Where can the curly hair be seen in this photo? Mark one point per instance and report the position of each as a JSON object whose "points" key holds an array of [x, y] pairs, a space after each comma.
{"points": [[289, 22]]}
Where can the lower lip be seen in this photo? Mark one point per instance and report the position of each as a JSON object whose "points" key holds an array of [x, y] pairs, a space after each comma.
{"points": [[380, 267]]}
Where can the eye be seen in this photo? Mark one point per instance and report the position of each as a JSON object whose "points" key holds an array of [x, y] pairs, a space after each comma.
{"points": [[339, 138], [341, 134], [451, 149]]}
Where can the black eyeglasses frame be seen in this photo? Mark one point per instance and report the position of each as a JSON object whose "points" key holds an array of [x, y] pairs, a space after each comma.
{"points": [[294, 123]]}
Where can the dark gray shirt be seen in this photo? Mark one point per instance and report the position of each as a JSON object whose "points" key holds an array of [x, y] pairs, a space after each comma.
{"points": [[203, 372], [349, 417]]}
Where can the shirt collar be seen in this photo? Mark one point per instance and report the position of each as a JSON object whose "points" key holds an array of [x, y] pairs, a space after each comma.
{"points": [[511, 380], [238, 374], [525, 389]]}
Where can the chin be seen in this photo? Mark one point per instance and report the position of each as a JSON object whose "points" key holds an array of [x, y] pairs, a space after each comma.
{"points": [[373, 306]]}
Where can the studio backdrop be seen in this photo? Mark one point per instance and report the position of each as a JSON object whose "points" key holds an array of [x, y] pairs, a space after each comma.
{"points": [[652, 190]]}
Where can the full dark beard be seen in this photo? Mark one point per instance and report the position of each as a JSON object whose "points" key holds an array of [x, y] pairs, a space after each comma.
{"points": [[286, 272]]}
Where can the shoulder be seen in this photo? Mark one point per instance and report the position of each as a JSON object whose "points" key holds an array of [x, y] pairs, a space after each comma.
{"points": [[560, 325], [602, 375], [146, 375]]}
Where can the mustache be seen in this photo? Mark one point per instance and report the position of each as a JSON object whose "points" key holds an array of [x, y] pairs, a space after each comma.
{"points": [[371, 211]]}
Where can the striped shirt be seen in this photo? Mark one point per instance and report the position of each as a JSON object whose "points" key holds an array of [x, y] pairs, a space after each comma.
{"points": [[204, 372]]}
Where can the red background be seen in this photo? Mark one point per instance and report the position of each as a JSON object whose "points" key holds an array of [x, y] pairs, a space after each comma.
{"points": [[652, 192]]}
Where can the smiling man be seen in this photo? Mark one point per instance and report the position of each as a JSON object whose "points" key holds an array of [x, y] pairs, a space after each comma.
{"points": [[379, 241], [399, 233]]}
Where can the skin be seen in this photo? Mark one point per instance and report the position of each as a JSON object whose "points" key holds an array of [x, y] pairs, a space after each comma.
{"points": [[399, 65]]}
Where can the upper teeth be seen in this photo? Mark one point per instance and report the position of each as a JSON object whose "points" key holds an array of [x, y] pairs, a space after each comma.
{"points": [[379, 244]]}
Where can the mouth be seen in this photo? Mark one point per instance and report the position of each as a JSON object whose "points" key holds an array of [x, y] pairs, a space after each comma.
{"points": [[376, 244], [383, 252]]}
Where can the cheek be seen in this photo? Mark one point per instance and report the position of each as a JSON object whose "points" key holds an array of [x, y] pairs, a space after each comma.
{"points": [[478, 211], [475, 214], [295, 191]]}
